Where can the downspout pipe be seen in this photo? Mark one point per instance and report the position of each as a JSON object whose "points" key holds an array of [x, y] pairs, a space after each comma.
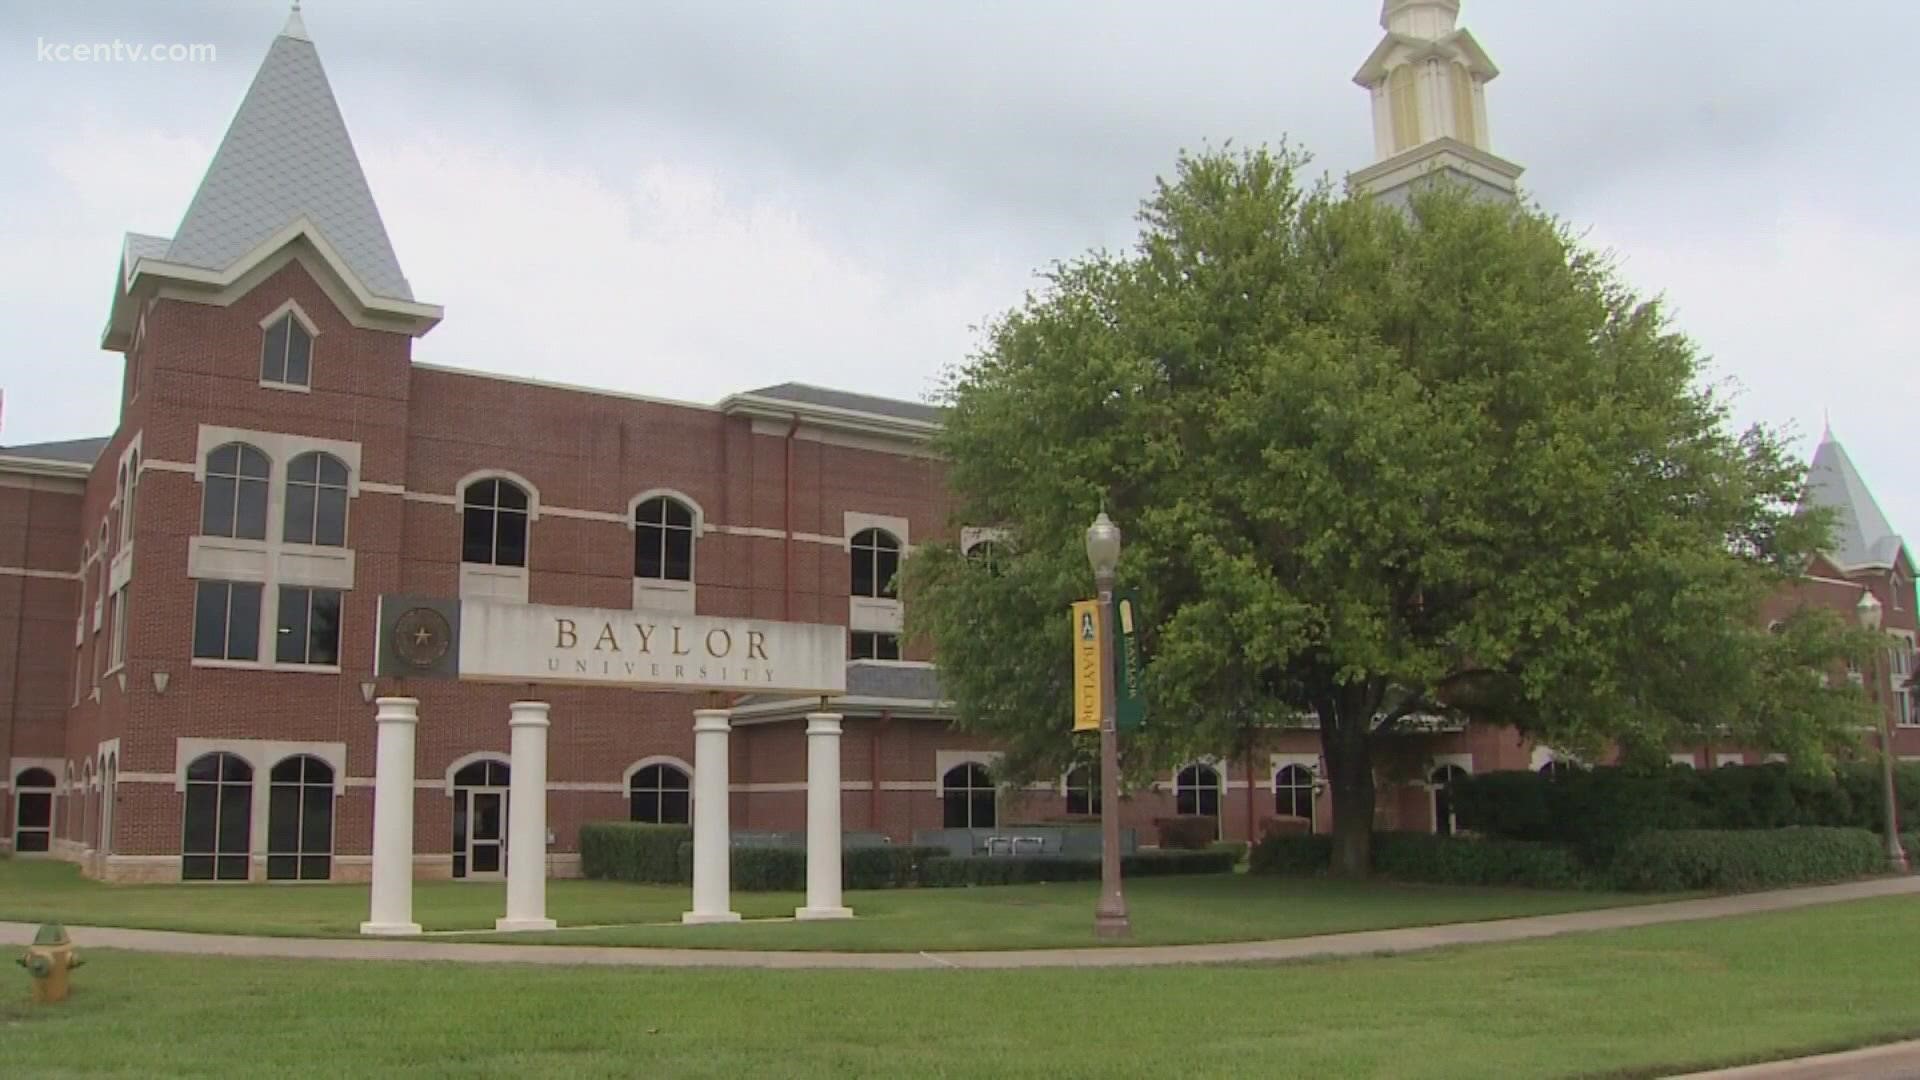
{"points": [[786, 531]]}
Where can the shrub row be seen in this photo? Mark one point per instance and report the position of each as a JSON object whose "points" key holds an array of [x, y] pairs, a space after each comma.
{"points": [[627, 851], [1597, 810], [1028, 869], [1673, 861], [1731, 861], [774, 869], [1187, 832], [1446, 860]]}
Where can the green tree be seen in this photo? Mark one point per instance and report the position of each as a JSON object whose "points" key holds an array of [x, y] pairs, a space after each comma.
{"points": [[1375, 466]]}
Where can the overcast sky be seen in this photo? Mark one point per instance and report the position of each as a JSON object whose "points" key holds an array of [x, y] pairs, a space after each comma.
{"points": [[687, 200]]}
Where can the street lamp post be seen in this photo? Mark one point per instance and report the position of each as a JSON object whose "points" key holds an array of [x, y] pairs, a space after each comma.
{"points": [[1869, 612], [1110, 915]]}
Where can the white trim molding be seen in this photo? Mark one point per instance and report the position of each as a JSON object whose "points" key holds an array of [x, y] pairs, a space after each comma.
{"points": [[465, 760]]}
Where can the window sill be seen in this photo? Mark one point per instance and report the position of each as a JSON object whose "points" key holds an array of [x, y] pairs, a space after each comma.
{"points": [[292, 388], [262, 665]]}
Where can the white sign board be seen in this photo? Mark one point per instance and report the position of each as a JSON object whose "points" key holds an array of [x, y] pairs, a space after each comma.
{"points": [[537, 643]]}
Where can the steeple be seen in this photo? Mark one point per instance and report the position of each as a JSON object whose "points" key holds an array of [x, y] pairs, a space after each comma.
{"points": [[286, 176], [1862, 539], [287, 156], [1428, 78]]}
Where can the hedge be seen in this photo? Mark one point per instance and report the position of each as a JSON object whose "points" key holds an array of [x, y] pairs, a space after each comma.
{"points": [[1445, 860], [1291, 854], [1733, 860], [628, 851], [1597, 810], [949, 872], [771, 869], [1439, 860], [1187, 832]]}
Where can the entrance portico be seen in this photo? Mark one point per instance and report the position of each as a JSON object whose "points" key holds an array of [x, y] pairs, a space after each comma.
{"points": [[501, 814]]}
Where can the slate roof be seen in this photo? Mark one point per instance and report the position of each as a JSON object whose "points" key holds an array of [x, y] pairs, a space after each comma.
{"points": [[81, 451], [842, 399], [287, 155], [1862, 537]]}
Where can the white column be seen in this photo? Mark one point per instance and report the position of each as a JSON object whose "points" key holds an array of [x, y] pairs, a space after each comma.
{"points": [[712, 886], [392, 901], [823, 820], [527, 821]]}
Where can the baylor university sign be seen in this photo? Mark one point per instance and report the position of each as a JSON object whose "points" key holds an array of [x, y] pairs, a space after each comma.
{"points": [[492, 640]]}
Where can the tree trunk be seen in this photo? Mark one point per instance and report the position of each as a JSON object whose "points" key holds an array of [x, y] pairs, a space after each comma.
{"points": [[1343, 739]]}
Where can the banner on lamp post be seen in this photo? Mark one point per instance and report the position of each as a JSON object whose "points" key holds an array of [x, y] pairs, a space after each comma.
{"points": [[1130, 710], [1086, 665]]}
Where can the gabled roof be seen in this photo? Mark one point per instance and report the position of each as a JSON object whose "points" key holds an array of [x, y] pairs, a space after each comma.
{"points": [[1862, 537], [286, 156], [81, 451]]}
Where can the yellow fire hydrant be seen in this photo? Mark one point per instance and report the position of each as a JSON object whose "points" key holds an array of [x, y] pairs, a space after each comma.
{"points": [[48, 960]]}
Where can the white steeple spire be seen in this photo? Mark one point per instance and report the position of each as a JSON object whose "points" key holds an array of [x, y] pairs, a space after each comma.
{"points": [[1428, 78], [295, 28]]}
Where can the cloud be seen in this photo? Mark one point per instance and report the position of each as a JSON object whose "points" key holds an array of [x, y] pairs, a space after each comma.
{"points": [[690, 199]]}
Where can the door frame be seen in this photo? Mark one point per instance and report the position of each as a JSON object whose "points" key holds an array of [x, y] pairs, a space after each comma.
{"points": [[463, 801]]}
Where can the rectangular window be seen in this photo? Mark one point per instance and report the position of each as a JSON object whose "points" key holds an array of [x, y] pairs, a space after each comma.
{"points": [[309, 631], [872, 646], [226, 621]]}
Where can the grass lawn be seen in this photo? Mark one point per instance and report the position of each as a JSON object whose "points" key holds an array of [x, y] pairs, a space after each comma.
{"points": [[1227, 907], [1633, 1002]]}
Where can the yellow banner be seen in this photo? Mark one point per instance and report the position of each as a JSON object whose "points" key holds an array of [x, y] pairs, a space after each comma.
{"points": [[1086, 665]]}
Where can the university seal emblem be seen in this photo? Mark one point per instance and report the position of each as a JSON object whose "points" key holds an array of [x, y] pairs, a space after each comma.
{"points": [[421, 637]]}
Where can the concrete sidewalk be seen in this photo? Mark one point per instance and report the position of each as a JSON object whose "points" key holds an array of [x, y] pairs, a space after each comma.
{"points": [[1412, 939], [1895, 1061]]}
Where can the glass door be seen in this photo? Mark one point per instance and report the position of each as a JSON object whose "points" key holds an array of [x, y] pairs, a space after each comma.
{"points": [[487, 844]]}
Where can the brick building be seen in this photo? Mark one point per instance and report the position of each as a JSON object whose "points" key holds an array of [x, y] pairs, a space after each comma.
{"points": [[189, 605]]}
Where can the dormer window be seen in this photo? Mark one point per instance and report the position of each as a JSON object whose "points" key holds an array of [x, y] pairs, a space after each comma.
{"points": [[287, 352]]}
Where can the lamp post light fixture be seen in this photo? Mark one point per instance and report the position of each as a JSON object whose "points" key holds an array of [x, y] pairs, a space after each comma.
{"points": [[1869, 611], [1110, 915]]}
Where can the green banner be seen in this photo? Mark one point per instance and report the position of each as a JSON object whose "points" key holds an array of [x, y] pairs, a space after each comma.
{"points": [[1130, 710]]}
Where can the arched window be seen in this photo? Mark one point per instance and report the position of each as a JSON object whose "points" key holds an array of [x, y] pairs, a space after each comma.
{"points": [[286, 352], [494, 523], [1083, 789], [1293, 793], [89, 805], [316, 500], [1441, 781], [300, 820], [219, 819], [234, 503], [663, 540], [988, 555], [120, 495], [876, 559], [133, 497], [109, 788], [1196, 791], [969, 797], [32, 811], [658, 795], [488, 773]]}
